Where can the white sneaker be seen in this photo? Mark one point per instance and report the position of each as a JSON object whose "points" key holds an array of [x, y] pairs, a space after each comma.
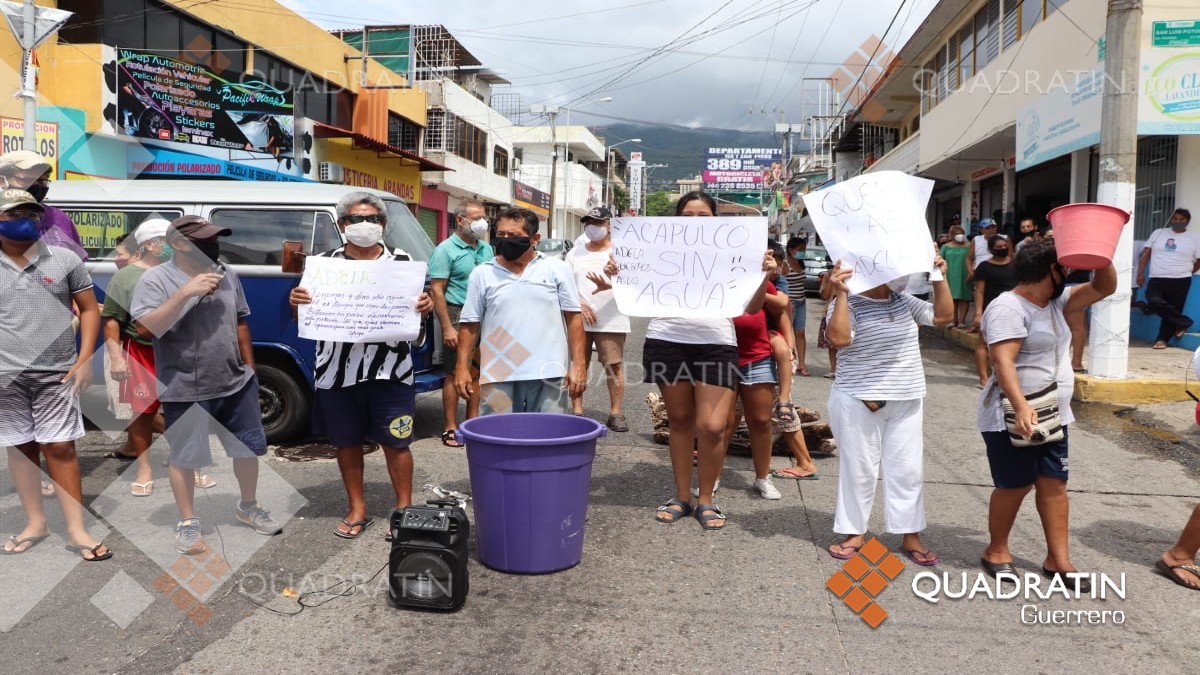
{"points": [[767, 489], [696, 489]]}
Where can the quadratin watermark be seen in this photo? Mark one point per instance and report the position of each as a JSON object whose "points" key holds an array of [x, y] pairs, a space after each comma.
{"points": [[934, 587]]}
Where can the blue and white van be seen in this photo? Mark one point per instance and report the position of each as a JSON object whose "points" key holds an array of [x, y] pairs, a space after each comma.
{"points": [[262, 216]]}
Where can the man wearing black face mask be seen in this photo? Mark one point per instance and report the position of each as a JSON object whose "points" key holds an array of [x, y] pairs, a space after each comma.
{"points": [[992, 277], [195, 311], [526, 308], [29, 171]]}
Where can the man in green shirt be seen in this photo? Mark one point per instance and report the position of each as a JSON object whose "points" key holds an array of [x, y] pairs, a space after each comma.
{"points": [[449, 268], [131, 355]]}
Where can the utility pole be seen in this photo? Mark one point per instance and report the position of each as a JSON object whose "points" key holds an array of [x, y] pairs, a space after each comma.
{"points": [[29, 83], [551, 111], [1108, 344]]}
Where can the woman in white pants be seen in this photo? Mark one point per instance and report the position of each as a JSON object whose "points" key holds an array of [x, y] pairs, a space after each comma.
{"points": [[875, 408]]}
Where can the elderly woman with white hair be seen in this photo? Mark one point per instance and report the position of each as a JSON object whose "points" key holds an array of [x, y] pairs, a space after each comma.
{"points": [[364, 391]]}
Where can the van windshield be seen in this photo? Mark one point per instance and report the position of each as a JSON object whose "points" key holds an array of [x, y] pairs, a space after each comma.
{"points": [[404, 232]]}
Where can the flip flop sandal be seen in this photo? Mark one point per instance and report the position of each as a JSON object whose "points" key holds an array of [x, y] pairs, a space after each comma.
{"points": [[142, 489], [17, 543], [792, 473], [930, 559], [96, 556], [204, 481], [714, 513], [673, 515], [48, 489], [843, 556], [1166, 570], [450, 439], [119, 455], [361, 524], [785, 412]]}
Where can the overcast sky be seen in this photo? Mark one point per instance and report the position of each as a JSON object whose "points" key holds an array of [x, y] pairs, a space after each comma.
{"points": [[740, 75]]}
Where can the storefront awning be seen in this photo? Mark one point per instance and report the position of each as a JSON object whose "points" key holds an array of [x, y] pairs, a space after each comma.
{"points": [[322, 130]]}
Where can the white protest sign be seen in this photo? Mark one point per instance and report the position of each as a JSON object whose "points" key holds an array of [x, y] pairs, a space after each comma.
{"points": [[699, 268], [875, 224], [361, 300]]}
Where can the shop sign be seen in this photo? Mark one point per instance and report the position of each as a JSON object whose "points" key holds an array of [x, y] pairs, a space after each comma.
{"points": [[12, 136], [1169, 100], [162, 162], [1175, 34], [531, 198]]}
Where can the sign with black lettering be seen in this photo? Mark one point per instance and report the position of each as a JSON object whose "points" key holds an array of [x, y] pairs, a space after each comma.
{"points": [[700, 268], [875, 224]]}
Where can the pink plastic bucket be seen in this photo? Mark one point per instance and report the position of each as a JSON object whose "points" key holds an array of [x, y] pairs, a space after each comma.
{"points": [[1085, 235]]}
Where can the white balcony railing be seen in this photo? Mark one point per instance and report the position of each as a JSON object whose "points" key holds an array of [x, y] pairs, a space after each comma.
{"points": [[904, 157]]}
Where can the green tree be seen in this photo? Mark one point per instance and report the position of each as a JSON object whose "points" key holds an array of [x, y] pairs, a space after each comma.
{"points": [[620, 199], [660, 204]]}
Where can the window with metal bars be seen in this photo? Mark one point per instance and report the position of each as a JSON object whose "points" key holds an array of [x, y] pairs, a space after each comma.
{"points": [[500, 161], [437, 123], [404, 133]]}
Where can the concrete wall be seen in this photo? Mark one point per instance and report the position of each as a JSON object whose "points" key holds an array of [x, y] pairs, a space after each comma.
{"points": [[990, 101]]}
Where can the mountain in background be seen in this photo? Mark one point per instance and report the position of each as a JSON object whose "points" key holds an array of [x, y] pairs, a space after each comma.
{"points": [[681, 149]]}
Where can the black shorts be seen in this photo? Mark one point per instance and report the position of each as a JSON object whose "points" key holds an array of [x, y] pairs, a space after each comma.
{"points": [[675, 363], [375, 410], [1014, 467]]}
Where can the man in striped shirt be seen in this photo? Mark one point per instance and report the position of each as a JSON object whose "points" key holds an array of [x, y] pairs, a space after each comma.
{"points": [[365, 390]]}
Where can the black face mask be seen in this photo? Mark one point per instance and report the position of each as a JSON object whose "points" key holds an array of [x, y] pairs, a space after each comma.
{"points": [[38, 191], [511, 248], [1059, 286], [1000, 252], [210, 248]]}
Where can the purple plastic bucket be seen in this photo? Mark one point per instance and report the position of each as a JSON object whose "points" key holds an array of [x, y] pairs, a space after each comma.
{"points": [[530, 476]]}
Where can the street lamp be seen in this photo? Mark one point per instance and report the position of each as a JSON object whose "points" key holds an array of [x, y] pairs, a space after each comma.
{"points": [[552, 111], [608, 197]]}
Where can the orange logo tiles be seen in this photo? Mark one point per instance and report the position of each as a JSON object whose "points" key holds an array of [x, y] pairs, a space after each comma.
{"points": [[863, 578]]}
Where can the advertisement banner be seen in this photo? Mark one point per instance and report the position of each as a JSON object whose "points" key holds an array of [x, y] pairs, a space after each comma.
{"points": [[154, 161], [531, 198], [732, 169], [167, 99], [1062, 121], [1169, 99], [12, 133]]}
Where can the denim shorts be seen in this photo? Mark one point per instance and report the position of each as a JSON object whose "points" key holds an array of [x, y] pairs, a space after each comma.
{"points": [[236, 419], [761, 371], [799, 315], [1014, 467]]}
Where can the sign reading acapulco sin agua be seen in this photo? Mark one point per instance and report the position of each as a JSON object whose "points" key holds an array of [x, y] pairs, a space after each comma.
{"points": [[166, 99]]}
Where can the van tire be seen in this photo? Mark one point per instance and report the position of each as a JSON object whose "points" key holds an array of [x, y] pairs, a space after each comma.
{"points": [[285, 404]]}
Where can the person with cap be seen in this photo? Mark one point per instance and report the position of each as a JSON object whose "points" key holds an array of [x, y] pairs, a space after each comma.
{"points": [[526, 308], [365, 390], [981, 252], [604, 325], [29, 171], [1172, 256], [450, 266], [130, 355], [41, 371], [194, 309]]}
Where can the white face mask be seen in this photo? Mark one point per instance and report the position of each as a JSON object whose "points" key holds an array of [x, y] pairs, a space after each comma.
{"points": [[364, 234], [960, 238], [897, 285], [595, 232], [478, 227]]}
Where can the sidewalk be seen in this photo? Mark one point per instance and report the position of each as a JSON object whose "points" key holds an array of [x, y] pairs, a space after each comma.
{"points": [[1155, 375]]}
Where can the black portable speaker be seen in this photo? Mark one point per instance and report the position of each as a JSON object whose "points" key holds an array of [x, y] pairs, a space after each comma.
{"points": [[428, 565]]}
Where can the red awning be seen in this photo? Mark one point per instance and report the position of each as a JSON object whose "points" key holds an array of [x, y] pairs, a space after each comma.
{"points": [[322, 130]]}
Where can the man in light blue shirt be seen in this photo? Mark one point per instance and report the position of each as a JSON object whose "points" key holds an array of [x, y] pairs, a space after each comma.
{"points": [[525, 307]]}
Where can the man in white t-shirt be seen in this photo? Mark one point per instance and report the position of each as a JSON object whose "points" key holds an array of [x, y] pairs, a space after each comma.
{"points": [[979, 243], [605, 325], [1173, 255]]}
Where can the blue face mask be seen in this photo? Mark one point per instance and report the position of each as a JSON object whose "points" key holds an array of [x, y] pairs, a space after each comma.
{"points": [[798, 255], [25, 229]]}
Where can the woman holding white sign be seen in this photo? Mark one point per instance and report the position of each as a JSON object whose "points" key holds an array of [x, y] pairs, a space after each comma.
{"points": [[875, 408], [694, 362]]}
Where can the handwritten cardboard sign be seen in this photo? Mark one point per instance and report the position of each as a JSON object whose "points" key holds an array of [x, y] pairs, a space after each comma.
{"points": [[875, 224], [699, 268], [361, 300]]}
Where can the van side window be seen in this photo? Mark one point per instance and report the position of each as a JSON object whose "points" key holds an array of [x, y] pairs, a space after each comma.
{"points": [[325, 235], [258, 234], [99, 227]]}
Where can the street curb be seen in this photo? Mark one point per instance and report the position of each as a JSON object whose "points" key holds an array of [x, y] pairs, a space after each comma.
{"points": [[1089, 389]]}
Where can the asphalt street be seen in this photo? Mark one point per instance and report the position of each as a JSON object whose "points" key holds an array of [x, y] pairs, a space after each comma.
{"points": [[646, 597]]}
